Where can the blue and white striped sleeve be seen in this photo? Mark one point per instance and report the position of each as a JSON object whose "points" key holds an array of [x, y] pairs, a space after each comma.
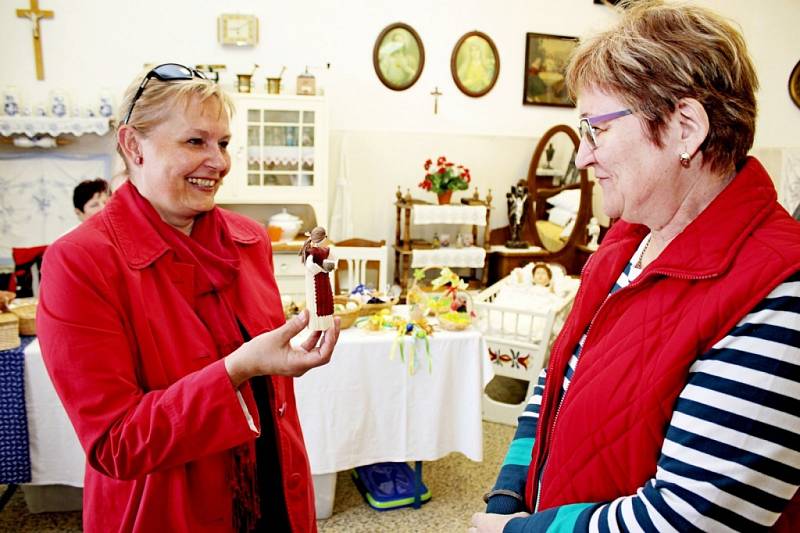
{"points": [[731, 457], [514, 472]]}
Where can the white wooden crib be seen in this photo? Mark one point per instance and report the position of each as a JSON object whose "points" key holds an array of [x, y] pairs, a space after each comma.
{"points": [[519, 336]]}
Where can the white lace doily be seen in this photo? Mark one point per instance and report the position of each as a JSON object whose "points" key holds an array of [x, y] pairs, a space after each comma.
{"points": [[467, 257], [54, 126], [449, 214]]}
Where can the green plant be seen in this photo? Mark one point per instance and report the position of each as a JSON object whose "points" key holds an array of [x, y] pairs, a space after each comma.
{"points": [[444, 176]]}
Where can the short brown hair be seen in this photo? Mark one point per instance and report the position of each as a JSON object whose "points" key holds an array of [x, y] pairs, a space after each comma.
{"points": [[659, 53], [160, 97]]}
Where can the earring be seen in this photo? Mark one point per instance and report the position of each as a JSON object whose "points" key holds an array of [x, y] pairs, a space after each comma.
{"points": [[139, 160], [685, 159]]}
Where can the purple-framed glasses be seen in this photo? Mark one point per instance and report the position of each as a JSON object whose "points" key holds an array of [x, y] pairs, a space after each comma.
{"points": [[586, 125]]}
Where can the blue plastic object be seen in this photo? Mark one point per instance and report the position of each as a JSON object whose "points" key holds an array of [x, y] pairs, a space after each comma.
{"points": [[387, 486]]}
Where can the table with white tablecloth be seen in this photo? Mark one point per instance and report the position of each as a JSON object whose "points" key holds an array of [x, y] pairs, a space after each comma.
{"points": [[364, 408], [361, 408]]}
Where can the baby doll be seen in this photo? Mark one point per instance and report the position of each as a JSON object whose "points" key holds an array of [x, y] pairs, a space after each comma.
{"points": [[542, 276]]}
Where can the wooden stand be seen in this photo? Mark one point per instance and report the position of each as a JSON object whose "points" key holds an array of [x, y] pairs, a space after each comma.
{"points": [[405, 244]]}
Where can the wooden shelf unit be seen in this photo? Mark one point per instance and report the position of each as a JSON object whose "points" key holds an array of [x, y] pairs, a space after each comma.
{"points": [[405, 244]]}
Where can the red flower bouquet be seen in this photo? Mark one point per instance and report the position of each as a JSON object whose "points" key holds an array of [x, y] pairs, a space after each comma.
{"points": [[444, 176]]}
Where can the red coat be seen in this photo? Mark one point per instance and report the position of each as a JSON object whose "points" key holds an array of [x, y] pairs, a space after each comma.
{"points": [[644, 338], [143, 384]]}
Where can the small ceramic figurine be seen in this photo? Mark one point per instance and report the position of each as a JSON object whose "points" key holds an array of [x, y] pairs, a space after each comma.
{"points": [[319, 295], [516, 200], [593, 229], [542, 276]]}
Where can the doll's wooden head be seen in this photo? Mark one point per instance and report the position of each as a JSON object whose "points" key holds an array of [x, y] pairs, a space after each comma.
{"points": [[316, 237]]}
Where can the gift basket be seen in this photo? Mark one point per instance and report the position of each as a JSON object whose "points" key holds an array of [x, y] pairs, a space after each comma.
{"points": [[447, 299]]}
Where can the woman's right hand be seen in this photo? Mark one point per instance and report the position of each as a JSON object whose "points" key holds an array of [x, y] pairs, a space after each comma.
{"points": [[271, 354]]}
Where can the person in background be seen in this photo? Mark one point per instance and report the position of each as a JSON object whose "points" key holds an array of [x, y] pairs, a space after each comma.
{"points": [[90, 197], [162, 329], [671, 401]]}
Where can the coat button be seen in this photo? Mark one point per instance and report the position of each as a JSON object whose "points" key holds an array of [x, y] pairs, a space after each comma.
{"points": [[282, 409], [294, 480]]}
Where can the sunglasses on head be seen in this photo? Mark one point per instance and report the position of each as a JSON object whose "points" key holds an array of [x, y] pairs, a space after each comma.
{"points": [[165, 72]]}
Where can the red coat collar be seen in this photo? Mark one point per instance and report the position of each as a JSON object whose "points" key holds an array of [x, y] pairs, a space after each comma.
{"points": [[139, 242]]}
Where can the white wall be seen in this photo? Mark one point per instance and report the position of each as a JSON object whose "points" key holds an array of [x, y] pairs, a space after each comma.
{"points": [[93, 45]]}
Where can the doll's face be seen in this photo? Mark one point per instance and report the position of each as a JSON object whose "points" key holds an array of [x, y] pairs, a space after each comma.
{"points": [[541, 277]]}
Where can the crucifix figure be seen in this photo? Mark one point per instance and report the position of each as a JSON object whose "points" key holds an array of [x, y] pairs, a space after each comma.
{"points": [[35, 14], [436, 94]]}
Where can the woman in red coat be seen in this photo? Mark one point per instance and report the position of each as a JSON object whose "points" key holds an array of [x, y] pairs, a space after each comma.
{"points": [[162, 330]]}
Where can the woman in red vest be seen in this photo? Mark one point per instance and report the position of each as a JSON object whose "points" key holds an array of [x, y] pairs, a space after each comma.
{"points": [[671, 401], [163, 332]]}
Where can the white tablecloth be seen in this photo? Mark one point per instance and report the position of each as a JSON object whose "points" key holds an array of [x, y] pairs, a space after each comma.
{"points": [[56, 455], [364, 408], [360, 409]]}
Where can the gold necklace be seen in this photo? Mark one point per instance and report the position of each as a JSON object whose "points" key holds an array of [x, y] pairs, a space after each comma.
{"points": [[638, 264]]}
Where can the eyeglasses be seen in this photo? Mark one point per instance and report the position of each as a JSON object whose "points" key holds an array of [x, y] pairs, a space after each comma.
{"points": [[586, 126], [165, 72]]}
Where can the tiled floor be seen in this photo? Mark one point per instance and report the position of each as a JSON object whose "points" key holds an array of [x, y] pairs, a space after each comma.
{"points": [[456, 484]]}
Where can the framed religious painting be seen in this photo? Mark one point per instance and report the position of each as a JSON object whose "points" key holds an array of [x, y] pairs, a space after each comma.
{"points": [[475, 64], [398, 56], [546, 58], [794, 85]]}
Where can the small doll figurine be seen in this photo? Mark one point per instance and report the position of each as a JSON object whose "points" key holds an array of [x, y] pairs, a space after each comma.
{"points": [[542, 276], [319, 295]]}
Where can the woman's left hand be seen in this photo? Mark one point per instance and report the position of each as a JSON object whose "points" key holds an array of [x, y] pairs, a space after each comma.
{"points": [[491, 523], [271, 354]]}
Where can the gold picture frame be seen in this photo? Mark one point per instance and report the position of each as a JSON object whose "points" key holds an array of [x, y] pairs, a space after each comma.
{"points": [[794, 84], [475, 64], [398, 56], [546, 58], [237, 30]]}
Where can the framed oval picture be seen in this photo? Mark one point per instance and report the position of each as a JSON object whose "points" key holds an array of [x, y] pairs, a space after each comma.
{"points": [[794, 85], [475, 64], [398, 56]]}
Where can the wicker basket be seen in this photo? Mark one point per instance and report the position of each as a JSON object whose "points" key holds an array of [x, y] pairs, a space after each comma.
{"points": [[9, 331], [347, 318], [27, 318], [449, 325], [371, 309]]}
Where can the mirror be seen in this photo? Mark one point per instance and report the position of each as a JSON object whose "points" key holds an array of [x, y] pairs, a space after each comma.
{"points": [[560, 194]]}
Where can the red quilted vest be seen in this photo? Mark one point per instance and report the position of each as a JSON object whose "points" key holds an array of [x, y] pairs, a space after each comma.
{"points": [[643, 339]]}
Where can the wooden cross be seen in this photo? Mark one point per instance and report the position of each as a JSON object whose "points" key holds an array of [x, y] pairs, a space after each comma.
{"points": [[35, 14], [436, 94]]}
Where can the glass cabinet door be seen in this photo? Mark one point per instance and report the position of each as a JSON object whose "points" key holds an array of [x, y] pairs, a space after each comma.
{"points": [[280, 148]]}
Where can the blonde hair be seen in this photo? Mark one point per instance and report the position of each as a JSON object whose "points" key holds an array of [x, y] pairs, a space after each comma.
{"points": [[160, 98], [659, 53]]}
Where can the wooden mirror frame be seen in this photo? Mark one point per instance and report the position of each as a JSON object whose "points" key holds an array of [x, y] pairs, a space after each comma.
{"points": [[566, 254]]}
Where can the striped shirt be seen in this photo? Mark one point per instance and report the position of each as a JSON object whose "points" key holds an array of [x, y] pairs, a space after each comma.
{"points": [[731, 455]]}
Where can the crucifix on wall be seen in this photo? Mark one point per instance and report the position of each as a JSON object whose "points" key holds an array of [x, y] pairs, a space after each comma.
{"points": [[436, 94], [35, 15]]}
